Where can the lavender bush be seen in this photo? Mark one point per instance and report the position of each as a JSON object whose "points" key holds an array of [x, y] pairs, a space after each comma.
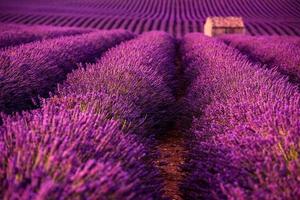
{"points": [[25, 34], [10, 27], [33, 70], [245, 126], [276, 52], [78, 145], [59, 153], [131, 82]]}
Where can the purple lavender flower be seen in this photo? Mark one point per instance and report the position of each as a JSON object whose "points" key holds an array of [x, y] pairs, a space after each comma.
{"points": [[66, 154], [281, 53], [245, 126], [34, 69], [16, 36], [138, 74]]}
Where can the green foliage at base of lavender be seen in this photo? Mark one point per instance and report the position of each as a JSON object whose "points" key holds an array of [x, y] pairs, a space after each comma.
{"points": [[245, 126], [60, 153], [34, 69], [26, 34], [130, 83], [282, 53]]}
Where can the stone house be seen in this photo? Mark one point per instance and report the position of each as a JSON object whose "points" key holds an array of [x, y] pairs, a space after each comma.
{"points": [[215, 26]]}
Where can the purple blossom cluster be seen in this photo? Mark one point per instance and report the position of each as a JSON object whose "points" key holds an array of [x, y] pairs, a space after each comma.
{"points": [[61, 153], [282, 53], [32, 70], [86, 142], [245, 126], [11, 36], [9, 27], [132, 82]]}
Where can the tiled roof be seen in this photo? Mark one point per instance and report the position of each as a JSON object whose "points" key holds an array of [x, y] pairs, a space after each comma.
{"points": [[226, 21]]}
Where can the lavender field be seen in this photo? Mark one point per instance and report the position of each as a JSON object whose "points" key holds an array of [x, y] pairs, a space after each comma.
{"points": [[177, 17], [113, 100]]}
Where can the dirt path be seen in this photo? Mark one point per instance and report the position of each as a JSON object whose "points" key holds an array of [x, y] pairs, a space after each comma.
{"points": [[172, 153], [171, 147]]}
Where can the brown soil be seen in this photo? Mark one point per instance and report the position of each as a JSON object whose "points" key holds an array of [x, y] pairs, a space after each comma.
{"points": [[172, 153], [172, 146]]}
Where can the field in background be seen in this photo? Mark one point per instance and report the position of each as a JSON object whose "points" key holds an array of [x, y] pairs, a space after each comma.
{"points": [[267, 17]]}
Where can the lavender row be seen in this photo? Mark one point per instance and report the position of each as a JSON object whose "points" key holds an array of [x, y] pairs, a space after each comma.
{"points": [[28, 34], [245, 126], [276, 52], [60, 153], [132, 82], [9, 27], [34, 69], [177, 18], [78, 144]]}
